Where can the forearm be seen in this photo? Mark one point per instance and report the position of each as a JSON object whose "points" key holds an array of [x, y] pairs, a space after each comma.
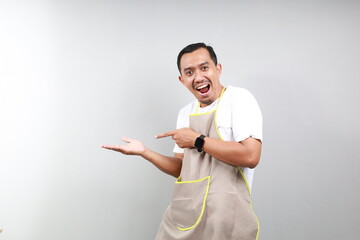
{"points": [[241, 154], [169, 165]]}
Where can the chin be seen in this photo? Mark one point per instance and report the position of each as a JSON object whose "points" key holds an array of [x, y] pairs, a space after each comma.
{"points": [[206, 102]]}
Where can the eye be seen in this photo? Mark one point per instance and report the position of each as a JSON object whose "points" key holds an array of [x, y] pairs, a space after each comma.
{"points": [[204, 67], [189, 73]]}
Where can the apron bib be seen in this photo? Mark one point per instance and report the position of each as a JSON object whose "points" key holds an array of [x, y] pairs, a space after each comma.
{"points": [[211, 199]]}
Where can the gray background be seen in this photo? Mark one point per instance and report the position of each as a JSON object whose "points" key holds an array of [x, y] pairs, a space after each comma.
{"points": [[78, 74]]}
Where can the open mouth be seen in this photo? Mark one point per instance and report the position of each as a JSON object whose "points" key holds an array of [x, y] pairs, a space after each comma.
{"points": [[203, 89]]}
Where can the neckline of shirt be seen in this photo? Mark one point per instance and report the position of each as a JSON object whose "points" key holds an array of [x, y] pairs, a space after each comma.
{"points": [[212, 106]]}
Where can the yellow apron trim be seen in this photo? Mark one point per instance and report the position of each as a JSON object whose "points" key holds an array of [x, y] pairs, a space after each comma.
{"points": [[248, 187], [197, 107], [257, 220], [198, 114], [217, 104], [245, 180], [217, 127], [178, 181]]}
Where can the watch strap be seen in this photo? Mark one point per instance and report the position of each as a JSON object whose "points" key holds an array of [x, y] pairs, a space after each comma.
{"points": [[199, 142]]}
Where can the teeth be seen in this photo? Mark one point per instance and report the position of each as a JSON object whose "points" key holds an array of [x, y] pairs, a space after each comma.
{"points": [[201, 87]]}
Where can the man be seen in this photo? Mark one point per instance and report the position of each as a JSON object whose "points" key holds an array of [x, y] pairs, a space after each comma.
{"points": [[218, 143]]}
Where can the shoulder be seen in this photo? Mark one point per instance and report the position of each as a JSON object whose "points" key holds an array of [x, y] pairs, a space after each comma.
{"points": [[183, 116], [187, 110], [237, 96], [238, 93]]}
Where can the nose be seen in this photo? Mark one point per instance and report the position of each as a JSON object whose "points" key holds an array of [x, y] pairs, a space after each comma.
{"points": [[198, 77]]}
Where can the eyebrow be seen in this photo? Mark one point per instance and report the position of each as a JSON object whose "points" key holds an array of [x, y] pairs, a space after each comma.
{"points": [[201, 64]]}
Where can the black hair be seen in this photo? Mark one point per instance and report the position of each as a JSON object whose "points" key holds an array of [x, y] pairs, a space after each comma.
{"points": [[193, 47]]}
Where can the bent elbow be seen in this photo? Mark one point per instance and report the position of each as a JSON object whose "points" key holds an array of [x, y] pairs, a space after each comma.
{"points": [[250, 154], [253, 164], [252, 161], [254, 158]]}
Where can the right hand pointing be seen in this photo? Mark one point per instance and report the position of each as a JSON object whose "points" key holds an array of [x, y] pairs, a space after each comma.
{"points": [[134, 147]]}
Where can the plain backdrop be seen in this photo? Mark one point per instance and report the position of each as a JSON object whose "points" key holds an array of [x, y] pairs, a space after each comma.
{"points": [[78, 74]]}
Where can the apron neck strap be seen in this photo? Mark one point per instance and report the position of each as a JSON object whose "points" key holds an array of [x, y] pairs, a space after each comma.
{"points": [[218, 100]]}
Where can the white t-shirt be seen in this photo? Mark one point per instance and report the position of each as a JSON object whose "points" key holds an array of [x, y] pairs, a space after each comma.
{"points": [[238, 117]]}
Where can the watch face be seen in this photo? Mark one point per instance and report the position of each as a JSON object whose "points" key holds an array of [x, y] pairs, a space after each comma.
{"points": [[199, 142]]}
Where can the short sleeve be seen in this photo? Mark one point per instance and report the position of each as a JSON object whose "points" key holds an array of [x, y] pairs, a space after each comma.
{"points": [[246, 116]]}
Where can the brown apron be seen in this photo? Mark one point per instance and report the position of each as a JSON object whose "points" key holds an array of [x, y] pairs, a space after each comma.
{"points": [[211, 199]]}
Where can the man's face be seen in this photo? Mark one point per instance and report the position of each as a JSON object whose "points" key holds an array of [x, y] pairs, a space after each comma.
{"points": [[201, 76]]}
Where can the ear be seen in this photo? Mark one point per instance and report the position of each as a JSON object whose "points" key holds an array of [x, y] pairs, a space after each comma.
{"points": [[219, 69], [181, 79]]}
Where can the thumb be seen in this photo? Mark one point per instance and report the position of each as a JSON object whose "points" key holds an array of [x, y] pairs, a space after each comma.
{"points": [[126, 139]]}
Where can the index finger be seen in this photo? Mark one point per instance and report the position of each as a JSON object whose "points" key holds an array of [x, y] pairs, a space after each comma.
{"points": [[165, 134]]}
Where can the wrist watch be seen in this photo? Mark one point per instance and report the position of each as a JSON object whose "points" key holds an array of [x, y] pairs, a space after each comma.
{"points": [[199, 142]]}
